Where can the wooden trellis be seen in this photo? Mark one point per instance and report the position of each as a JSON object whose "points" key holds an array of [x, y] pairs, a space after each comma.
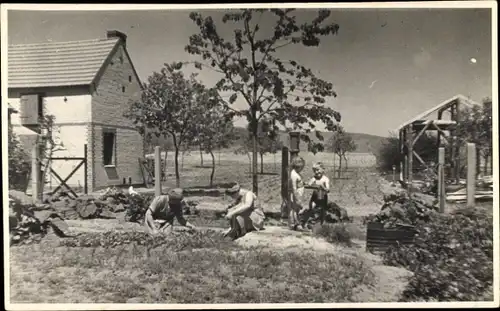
{"points": [[411, 131]]}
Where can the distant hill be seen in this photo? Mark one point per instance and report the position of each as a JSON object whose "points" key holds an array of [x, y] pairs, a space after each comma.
{"points": [[366, 143]]}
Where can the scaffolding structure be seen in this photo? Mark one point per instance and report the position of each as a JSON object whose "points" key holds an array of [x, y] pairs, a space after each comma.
{"points": [[411, 131]]}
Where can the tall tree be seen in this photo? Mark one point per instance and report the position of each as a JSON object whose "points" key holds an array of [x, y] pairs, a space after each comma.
{"points": [[169, 102], [214, 130], [250, 68], [341, 143]]}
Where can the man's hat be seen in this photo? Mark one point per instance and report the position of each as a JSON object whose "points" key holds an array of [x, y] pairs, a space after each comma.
{"points": [[234, 189], [176, 195]]}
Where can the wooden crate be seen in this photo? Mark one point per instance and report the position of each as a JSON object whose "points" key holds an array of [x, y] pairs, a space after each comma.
{"points": [[379, 239]]}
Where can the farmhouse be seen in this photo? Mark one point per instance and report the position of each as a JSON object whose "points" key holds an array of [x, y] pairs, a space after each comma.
{"points": [[87, 86]]}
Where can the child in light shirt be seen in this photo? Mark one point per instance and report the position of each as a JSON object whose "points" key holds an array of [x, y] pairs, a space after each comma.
{"points": [[319, 197]]}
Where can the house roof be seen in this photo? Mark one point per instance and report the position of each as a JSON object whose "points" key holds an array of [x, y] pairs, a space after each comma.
{"points": [[461, 98], [57, 63]]}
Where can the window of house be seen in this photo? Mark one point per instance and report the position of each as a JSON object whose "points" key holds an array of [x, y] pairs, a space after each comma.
{"points": [[129, 78], [123, 89], [109, 147], [31, 109]]}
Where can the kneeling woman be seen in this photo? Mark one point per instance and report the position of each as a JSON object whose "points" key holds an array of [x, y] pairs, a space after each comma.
{"points": [[245, 214], [166, 207]]}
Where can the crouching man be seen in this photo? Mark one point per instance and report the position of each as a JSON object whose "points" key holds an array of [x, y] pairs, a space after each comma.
{"points": [[166, 208], [244, 214]]}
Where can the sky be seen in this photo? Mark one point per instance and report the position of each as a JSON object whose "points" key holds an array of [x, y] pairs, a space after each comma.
{"points": [[387, 65]]}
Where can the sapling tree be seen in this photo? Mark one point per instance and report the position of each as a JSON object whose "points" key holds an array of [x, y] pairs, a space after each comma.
{"points": [[213, 130], [341, 143], [251, 69], [168, 106]]}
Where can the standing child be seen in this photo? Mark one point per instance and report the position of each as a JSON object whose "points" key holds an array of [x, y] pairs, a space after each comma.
{"points": [[296, 193], [319, 198]]}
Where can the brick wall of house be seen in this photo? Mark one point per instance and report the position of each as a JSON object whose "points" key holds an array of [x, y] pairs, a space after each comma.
{"points": [[117, 88]]}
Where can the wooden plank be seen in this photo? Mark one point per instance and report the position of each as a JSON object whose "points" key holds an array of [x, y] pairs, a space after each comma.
{"points": [[35, 174], [441, 179], [85, 169], [471, 174], [421, 133]]}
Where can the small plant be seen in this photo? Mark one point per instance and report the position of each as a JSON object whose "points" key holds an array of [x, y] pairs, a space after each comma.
{"points": [[334, 233]]}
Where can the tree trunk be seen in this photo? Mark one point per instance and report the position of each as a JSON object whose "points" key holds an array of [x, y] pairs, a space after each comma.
{"points": [[176, 161], [201, 156], [255, 183], [165, 164], [491, 161], [340, 164], [213, 169], [249, 164], [334, 166], [345, 158], [261, 163], [274, 162]]}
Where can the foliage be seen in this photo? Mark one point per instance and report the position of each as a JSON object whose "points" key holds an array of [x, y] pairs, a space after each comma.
{"points": [[49, 143], [390, 154], [452, 257], [250, 68], [334, 233], [169, 105], [475, 125], [19, 163], [400, 209]]}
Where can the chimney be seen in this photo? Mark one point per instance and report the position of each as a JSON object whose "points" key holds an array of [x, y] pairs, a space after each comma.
{"points": [[116, 34]]}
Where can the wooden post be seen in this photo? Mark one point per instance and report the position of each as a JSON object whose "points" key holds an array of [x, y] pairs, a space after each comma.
{"points": [[457, 146], [35, 174], [165, 165], [157, 171], [85, 170], [441, 184], [471, 174], [284, 182], [410, 157]]}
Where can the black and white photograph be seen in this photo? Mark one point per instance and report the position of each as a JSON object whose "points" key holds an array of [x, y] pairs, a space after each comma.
{"points": [[277, 155]]}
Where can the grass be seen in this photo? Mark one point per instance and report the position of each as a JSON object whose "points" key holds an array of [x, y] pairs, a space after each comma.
{"points": [[206, 275]]}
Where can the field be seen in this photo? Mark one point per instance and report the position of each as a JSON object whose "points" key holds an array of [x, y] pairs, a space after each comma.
{"points": [[357, 189]]}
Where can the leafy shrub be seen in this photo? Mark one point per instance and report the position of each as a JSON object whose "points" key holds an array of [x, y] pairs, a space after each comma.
{"points": [[400, 209], [452, 258], [334, 233], [19, 163], [389, 153]]}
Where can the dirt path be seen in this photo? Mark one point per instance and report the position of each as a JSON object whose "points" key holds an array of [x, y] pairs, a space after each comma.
{"points": [[390, 281]]}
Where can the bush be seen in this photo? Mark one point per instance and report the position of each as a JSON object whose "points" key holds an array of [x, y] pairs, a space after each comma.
{"points": [[452, 258], [19, 164], [334, 233], [389, 153]]}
